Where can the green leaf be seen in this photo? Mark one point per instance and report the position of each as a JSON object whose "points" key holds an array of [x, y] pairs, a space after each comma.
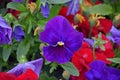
{"points": [[58, 1], [3, 11], [38, 3], [99, 42], [44, 76], [102, 9], [102, 47], [23, 14], [22, 49], [70, 68], [16, 6], [54, 11], [30, 25], [7, 49], [115, 60], [9, 18], [53, 67]]}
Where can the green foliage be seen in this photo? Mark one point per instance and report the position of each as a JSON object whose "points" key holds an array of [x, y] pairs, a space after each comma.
{"points": [[9, 18], [38, 2], [102, 9], [16, 6], [115, 60], [99, 42], [54, 11], [70, 68], [58, 1], [7, 49], [3, 11], [28, 48], [46, 77], [53, 67], [23, 49]]}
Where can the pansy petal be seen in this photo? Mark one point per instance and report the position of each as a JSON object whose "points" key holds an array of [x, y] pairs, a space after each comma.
{"points": [[74, 42], [89, 75], [35, 65], [98, 65], [4, 27], [17, 0], [18, 33], [20, 68], [18, 30], [38, 65], [74, 7], [58, 29], [114, 31], [60, 55], [45, 10]]}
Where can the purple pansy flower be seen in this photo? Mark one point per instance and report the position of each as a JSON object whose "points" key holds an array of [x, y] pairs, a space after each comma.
{"points": [[45, 10], [17, 0], [62, 40], [18, 33], [99, 71], [89, 41], [5, 32], [73, 7], [35, 65], [115, 35]]}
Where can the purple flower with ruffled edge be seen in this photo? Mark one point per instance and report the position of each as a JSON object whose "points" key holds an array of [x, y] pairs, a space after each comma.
{"points": [[17, 0], [115, 35], [99, 71], [62, 40], [35, 65], [45, 10], [18, 33], [5, 32], [74, 7]]}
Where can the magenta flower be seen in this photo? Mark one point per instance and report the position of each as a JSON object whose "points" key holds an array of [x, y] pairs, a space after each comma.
{"points": [[62, 40], [35, 65], [99, 71], [5, 32]]}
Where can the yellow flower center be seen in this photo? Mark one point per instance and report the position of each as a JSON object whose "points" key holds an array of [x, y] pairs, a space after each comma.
{"points": [[60, 43]]}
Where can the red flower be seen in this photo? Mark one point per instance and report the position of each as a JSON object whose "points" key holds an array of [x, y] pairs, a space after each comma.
{"points": [[101, 56], [28, 75], [103, 25], [98, 2], [81, 59], [85, 45], [63, 12], [84, 56], [7, 76], [15, 13], [108, 48], [83, 25]]}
